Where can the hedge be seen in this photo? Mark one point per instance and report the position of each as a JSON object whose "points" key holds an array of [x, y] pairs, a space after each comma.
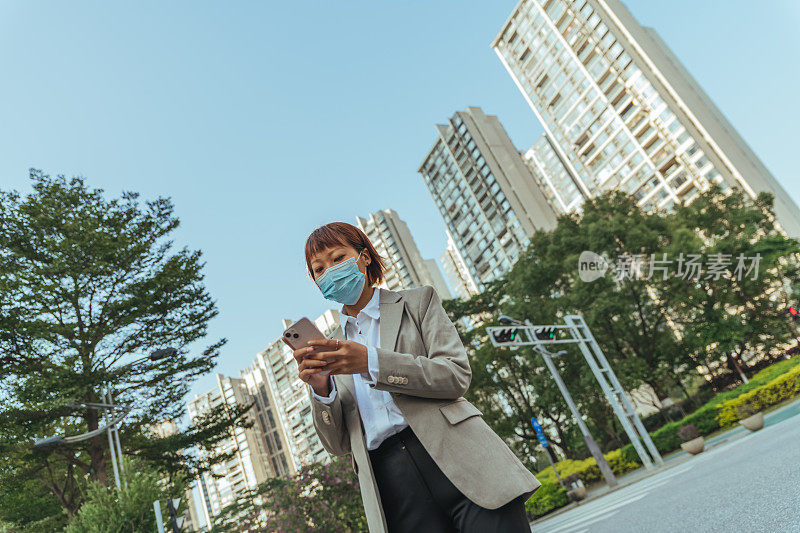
{"points": [[587, 469], [772, 385], [546, 498], [779, 389]]}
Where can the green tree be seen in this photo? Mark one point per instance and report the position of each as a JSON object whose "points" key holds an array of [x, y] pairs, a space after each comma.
{"points": [[543, 286], [723, 317], [655, 327], [88, 284]]}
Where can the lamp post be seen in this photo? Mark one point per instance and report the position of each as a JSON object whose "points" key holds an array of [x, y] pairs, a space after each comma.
{"points": [[49, 444]]}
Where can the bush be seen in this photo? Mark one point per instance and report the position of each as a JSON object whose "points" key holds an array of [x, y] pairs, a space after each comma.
{"points": [[548, 497], [745, 410], [688, 432], [763, 377], [587, 469], [621, 462], [107, 510], [781, 388]]}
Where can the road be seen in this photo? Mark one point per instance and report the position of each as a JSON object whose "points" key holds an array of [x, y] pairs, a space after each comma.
{"points": [[749, 484]]}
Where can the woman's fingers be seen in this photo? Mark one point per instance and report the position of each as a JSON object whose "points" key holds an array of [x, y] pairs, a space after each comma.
{"points": [[308, 373], [330, 343]]}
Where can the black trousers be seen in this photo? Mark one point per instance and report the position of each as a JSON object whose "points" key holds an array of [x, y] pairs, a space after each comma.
{"points": [[418, 498]]}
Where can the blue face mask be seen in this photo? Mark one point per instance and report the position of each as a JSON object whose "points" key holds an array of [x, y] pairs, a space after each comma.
{"points": [[342, 283]]}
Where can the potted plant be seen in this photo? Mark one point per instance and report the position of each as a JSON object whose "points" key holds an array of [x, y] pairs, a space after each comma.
{"points": [[576, 491], [692, 443], [750, 417]]}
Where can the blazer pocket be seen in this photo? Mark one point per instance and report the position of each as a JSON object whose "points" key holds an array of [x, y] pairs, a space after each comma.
{"points": [[459, 410]]}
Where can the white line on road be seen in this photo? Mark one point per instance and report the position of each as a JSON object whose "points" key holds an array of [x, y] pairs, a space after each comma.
{"points": [[607, 506]]}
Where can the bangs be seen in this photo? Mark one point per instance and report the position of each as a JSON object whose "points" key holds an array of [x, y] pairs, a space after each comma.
{"points": [[323, 238]]}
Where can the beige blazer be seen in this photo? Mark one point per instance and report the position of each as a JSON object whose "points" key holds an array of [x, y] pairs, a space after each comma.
{"points": [[424, 366]]}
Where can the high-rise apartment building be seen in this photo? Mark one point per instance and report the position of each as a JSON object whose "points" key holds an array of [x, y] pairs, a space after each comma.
{"points": [[485, 192], [267, 413], [437, 279], [274, 375], [621, 112], [405, 267], [456, 270], [249, 464], [551, 173]]}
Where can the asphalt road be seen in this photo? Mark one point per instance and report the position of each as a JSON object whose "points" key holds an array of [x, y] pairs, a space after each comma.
{"points": [[749, 484]]}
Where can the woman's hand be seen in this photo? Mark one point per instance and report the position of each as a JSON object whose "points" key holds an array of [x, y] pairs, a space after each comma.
{"points": [[309, 370], [344, 357]]}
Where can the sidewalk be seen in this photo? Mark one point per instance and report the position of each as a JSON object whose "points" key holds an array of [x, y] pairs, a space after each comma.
{"points": [[777, 415]]}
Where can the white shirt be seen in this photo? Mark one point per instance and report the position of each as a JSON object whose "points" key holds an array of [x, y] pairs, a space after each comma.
{"points": [[379, 413]]}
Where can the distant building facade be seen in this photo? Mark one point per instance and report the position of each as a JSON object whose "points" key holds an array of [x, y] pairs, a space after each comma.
{"points": [[486, 193], [457, 271], [405, 267], [274, 375], [621, 112], [249, 465]]}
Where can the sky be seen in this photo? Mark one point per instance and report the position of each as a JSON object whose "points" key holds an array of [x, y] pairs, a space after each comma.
{"points": [[264, 120]]}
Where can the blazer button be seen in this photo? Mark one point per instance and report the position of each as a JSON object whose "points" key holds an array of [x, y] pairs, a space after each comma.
{"points": [[326, 417], [390, 379], [405, 381]]}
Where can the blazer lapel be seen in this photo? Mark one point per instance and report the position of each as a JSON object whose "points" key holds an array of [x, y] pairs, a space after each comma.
{"points": [[391, 310]]}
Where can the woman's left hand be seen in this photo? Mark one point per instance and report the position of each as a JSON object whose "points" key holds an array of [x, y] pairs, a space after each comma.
{"points": [[349, 358]]}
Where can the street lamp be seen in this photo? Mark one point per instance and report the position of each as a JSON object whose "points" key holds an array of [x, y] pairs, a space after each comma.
{"points": [[49, 444]]}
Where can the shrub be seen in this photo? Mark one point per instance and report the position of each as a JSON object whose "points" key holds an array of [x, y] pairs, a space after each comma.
{"points": [[548, 497], [621, 462], [587, 469], [745, 410], [688, 432], [779, 369], [108, 510], [781, 388]]}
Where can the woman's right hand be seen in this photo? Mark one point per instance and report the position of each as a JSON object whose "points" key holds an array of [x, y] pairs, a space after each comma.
{"points": [[309, 370]]}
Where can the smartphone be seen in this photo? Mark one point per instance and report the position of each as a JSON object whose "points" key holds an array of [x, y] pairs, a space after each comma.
{"points": [[298, 334]]}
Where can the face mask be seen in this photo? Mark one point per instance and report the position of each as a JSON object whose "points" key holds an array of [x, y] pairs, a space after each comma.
{"points": [[342, 283]]}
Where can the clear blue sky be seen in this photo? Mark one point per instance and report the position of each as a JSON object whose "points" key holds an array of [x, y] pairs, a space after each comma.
{"points": [[264, 120]]}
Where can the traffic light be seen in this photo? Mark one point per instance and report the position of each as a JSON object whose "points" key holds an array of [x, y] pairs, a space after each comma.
{"points": [[793, 312], [545, 334], [506, 335]]}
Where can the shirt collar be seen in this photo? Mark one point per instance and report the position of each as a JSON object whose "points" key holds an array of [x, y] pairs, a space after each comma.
{"points": [[372, 309]]}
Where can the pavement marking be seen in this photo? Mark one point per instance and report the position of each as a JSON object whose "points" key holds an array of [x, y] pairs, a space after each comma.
{"points": [[594, 515], [608, 505]]}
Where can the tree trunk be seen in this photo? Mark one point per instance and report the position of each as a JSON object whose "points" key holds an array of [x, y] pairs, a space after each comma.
{"points": [[562, 441], [733, 364]]}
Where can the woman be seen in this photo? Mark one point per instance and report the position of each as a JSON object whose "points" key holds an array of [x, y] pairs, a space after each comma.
{"points": [[388, 389]]}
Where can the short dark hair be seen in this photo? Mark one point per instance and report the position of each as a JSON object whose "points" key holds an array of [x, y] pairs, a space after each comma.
{"points": [[342, 233]]}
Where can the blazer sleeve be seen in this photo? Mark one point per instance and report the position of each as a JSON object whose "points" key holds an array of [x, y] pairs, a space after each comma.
{"points": [[330, 425], [444, 373]]}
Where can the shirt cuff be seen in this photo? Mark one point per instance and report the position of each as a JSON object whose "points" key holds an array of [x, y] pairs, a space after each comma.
{"points": [[325, 399], [371, 376]]}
